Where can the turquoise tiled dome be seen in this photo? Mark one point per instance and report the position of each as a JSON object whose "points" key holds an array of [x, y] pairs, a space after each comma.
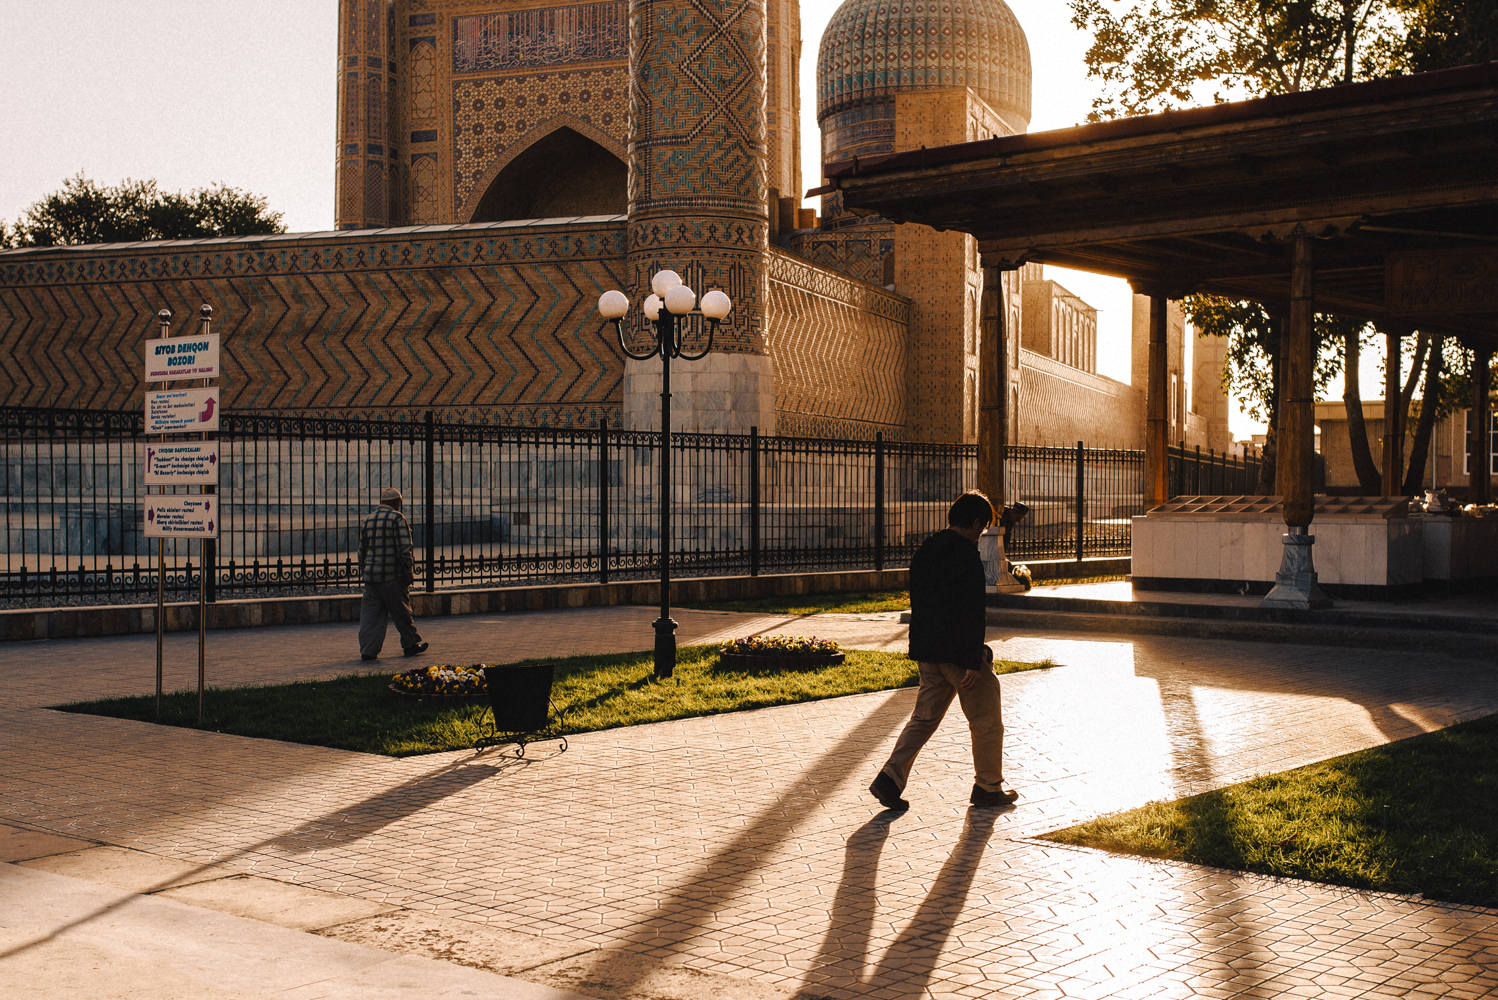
{"points": [[873, 49]]}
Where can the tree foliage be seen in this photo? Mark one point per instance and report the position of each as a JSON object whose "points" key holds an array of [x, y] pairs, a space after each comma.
{"points": [[1154, 55], [1439, 34], [1254, 348], [85, 212], [1161, 54]]}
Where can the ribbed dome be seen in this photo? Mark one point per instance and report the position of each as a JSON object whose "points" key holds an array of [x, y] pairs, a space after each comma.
{"points": [[877, 48]]}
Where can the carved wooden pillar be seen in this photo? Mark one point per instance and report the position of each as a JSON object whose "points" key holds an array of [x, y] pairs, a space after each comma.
{"points": [[1479, 466], [993, 387], [1156, 407], [1393, 426], [993, 423], [1297, 432], [1295, 584]]}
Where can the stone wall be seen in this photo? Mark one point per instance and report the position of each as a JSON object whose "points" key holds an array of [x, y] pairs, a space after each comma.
{"points": [[1061, 405], [839, 346], [494, 319]]}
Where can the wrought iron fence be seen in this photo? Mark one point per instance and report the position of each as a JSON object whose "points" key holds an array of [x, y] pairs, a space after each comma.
{"points": [[1194, 473], [495, 505]]}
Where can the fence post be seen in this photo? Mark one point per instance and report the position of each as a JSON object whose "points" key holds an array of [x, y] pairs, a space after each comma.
{"points": [[1081, 498], [879, 500], [431, 496], [754, 501], [603, 500]]}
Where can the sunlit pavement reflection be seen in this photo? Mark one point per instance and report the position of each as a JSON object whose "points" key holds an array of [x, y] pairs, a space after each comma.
{"points": [[745, 843]]}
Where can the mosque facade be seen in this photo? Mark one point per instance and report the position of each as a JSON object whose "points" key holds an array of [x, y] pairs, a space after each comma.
{"points": [[500, 164]]}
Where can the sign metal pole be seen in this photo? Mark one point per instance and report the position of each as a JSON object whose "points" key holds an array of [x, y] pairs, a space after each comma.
{"points": [[182, 461], [165, 316], [206, 312]]}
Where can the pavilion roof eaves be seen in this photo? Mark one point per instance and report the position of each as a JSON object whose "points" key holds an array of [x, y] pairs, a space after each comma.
{"points": [[1169, 122]]}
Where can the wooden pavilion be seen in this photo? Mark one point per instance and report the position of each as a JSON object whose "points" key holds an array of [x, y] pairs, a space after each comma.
{"points": [[1377, 201]]}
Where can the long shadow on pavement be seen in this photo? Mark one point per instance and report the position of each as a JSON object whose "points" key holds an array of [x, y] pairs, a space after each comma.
{"points": [[910, 962], [678, 919]]}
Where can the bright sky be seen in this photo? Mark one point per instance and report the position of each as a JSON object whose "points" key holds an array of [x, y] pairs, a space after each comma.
{"points": [[223, 90]]}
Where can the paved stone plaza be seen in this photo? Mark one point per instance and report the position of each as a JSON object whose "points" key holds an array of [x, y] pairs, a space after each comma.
{"points": [[735, 856]]}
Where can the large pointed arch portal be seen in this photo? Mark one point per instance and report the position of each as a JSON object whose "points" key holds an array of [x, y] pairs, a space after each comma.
{"points": [[562, 173]]}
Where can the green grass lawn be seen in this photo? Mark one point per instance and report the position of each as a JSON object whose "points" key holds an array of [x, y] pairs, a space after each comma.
{"points": [[356, 712], [1325, 822], [848, 602]]}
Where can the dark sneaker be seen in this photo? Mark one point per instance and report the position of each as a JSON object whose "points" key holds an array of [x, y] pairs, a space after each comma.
{"points": [[1003, 797], [368, 656], [417, 650], [887, 793]]}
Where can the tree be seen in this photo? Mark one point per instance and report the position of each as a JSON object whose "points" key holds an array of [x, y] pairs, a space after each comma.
{"points": [[84, 212], [1253, 368], [1160, 54], [1439, 34]]}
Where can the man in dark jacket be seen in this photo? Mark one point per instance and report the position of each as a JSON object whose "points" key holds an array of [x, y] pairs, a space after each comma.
{"points": [[946, 639]]}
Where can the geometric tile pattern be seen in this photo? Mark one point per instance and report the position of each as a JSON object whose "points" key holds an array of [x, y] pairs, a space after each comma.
{"points": [[485, 317], [539, 37], [745, 843], [875, 48], [696, 116], [839, 349], [366, 155], [489, 115], [697, 152], [858, 253]]}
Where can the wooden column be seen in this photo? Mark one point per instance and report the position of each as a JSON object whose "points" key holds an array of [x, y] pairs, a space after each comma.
{"points": [[1393, 429], [1297, 431], [993, 387], [1156, 408], [1295, 585], [1479, 466]]}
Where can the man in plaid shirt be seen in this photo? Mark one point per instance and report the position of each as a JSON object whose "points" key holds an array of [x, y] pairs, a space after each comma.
{"points": [[386, 563]]}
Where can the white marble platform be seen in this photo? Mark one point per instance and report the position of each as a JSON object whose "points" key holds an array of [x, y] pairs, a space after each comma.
{"points": [[1374, 552]]}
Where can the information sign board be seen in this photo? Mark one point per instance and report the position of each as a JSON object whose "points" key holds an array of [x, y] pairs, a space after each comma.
{"points": [[180, 463], [176, 411], [182, 358], [181, 516]]}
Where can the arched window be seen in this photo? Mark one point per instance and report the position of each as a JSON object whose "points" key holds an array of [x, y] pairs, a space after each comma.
{"points": [[562, 174]]}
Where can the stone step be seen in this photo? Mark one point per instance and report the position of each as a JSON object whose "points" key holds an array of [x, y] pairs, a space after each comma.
{"points": [[1318, 633], [1353, 615]]}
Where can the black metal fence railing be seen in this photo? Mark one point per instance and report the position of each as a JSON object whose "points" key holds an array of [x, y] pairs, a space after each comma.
{"points": [[1194, 473], [496, 505]]}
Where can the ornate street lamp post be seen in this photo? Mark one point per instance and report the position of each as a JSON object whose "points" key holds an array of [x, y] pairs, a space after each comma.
{"points": [[678, 300]]}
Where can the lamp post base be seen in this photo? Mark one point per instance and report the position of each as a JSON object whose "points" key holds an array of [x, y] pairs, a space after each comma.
{"points": [[665, 646], [996, 578], [1295, 586]]}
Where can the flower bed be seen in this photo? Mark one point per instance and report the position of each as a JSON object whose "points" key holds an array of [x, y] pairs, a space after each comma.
{"points": [[441, 684], [780, 652]]}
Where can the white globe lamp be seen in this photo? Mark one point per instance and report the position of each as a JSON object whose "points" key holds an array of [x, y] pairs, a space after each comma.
{"points": [[664, 281], [613, 305], [715, 305], [680, 299]]}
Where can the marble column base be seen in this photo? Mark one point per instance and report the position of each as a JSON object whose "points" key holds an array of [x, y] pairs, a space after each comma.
{"points": [[1295, 585], [996, 577]]}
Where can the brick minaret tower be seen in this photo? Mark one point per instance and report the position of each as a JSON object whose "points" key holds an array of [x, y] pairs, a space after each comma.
{"points": [[366, 155], [697, 199]]}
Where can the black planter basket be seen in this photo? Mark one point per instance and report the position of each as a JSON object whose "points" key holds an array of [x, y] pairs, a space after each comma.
{"points": [[521, 706]]}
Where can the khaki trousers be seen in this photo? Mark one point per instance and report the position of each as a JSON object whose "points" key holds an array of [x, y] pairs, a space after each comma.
{"points": [[383, 601], [985, 720]]}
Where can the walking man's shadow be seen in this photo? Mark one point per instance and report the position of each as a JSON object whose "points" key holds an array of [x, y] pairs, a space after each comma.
{"points": [[910, 960]]}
